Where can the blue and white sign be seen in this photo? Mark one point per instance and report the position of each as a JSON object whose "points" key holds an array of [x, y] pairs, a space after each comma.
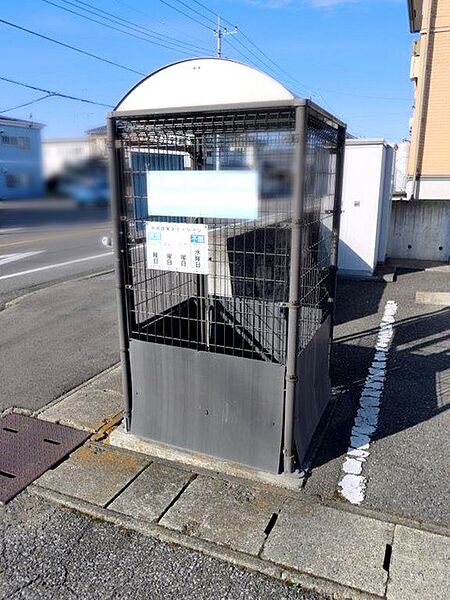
{"points": [[227, 194], [181, 247]]}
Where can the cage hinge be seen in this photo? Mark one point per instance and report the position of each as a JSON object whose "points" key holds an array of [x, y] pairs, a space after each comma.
{"points": [[292, 378], [289, 304], [128, 286], [123, 219]]}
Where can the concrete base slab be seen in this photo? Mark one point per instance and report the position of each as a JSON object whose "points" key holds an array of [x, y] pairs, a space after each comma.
{"points": [[152, 492], [89, 409], [420, 566], [121, 439], [95, 473], [226, 513], [333, 544]]}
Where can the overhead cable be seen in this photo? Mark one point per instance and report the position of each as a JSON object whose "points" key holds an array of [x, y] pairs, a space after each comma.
{"points": [[138, 37], [53, 93], [74, 48]]}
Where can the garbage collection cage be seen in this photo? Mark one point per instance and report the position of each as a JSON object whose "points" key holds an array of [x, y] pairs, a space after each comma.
{"points": [[214, 333]]}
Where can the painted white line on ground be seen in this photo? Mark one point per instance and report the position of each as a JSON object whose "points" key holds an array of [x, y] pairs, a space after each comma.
{"points": [[11, 229], [352, 484], [55, 266], [8, 258]]}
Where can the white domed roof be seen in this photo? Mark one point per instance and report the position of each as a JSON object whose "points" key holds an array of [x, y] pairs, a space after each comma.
{"points": [[203, 82]]}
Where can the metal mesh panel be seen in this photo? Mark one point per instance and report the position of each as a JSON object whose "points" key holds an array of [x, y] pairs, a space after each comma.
{"points": [[320, 206], [236, 308]]}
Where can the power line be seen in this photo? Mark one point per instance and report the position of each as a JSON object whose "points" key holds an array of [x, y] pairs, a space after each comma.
{"points": [[196, 11], [276, 65], [213, 12], [361, 95], [131, 25], [138, 37], [166, 25], [53, 93], [187, 15], [25, 104], [74, 48]]}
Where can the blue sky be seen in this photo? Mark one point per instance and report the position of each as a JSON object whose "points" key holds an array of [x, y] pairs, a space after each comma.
{"points": [[352, 56]]}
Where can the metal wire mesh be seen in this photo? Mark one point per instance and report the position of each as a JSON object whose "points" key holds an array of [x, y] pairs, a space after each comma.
{"points": [[237, 306], [320, 206]]}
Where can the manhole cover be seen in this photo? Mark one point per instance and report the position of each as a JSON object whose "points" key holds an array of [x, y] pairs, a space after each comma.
{"points": [[28, 447]]}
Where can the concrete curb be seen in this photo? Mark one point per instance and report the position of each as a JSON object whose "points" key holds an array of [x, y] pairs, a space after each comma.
{"points": [[76, 389], [238, 559]]}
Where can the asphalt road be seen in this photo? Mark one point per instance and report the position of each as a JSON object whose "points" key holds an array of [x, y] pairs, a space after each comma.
{"points": [[407, 470], [45, 241], [57, 304], [51, 553]]}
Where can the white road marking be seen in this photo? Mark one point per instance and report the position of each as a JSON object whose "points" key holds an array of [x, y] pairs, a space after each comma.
{"points": [[352, 484], [11, 229], [55, 266], [8, 258]]}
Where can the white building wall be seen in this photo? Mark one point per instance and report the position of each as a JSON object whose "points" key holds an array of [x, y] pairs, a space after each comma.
{"points": [[59, 153]]}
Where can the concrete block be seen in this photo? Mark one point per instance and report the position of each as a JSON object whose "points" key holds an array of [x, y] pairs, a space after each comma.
{"points": [[333, 544], [229, 514], [89, 409], [420, 566], [151, 493], [94, 473]]}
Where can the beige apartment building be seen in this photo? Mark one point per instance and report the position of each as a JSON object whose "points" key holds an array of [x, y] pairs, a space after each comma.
{"points": [[429, 159], [420, 222]]}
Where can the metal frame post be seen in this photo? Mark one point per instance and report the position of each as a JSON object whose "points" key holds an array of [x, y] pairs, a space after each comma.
{"points": [[119, 256], [294, 286], [337, 209]]}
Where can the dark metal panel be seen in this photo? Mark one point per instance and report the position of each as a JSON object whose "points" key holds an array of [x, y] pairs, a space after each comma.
{"points": [[313, 390], [224, 406], [275, 104], [28, 447]]}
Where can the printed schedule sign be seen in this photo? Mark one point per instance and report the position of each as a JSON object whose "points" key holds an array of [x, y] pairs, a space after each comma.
{"points": [[181, 247]]}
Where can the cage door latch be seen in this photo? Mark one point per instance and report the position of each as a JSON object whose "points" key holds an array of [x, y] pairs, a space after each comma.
{"points": [[294, 304]]}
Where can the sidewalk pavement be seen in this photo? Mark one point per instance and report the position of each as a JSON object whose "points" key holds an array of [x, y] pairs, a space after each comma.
{"points": [[327, 547]]}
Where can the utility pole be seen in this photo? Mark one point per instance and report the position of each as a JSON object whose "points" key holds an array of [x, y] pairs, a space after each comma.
{"points": [[219, 33]]}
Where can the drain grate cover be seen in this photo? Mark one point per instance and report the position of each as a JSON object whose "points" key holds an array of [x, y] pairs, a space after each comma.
{"points": [[28, 447]]}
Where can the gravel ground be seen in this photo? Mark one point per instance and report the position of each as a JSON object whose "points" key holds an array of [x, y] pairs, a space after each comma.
{"points": [[52, 553]]}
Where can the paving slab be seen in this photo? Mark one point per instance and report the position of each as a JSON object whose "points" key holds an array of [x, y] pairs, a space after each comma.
{"points": [[151, 492], [420, 566], [112, 380], [342, 546], [95, 473], [89, 409], [230, 514]]}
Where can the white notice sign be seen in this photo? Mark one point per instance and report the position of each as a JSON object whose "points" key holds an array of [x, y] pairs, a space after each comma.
{"points": [[231, 194], [181, 247]]}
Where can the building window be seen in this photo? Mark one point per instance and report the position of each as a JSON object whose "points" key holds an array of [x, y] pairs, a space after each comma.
{"points": [[22, 141], [18, 180], [9, 140], [11, 180]]}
